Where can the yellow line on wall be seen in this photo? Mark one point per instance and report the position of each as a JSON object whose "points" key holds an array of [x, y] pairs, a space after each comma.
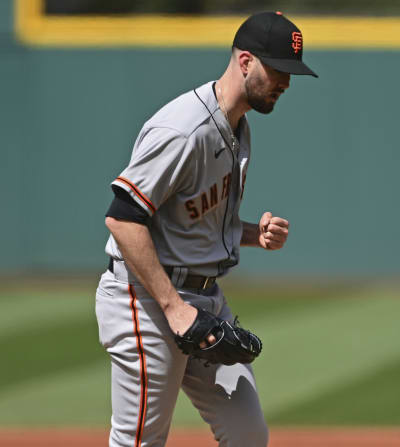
{"points": [[33, 27]]}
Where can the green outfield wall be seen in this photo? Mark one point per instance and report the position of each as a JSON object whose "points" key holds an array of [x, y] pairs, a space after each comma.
{"points": [[327, 159]]}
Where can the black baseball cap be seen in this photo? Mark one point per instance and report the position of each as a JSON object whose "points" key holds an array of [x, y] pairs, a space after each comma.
{"points": [[275, 40]]}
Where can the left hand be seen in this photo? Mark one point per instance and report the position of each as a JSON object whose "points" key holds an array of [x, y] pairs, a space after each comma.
{"points": [[234, 345], [273, 231]]}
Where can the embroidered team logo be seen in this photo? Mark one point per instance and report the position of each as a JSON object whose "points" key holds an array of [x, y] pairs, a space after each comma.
{"points": [[297, 43]]}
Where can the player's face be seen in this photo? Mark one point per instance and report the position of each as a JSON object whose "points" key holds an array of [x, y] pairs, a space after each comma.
{"points": [[264, 85]]}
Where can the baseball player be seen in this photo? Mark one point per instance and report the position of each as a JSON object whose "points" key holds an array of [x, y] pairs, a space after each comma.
{"points": [[175, 229]]}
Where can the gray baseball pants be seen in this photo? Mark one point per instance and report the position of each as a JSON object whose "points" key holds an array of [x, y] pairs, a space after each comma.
{"points": [[148, 370]]}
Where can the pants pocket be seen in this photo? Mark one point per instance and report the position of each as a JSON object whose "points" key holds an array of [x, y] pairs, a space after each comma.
{"points": [[105, 308]]}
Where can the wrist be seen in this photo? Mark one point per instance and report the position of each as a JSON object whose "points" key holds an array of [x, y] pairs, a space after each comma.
{"points": [[250, 235], [171, 301]]}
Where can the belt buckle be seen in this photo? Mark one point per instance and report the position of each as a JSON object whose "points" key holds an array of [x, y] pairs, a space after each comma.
{"points": [[206, 282]]}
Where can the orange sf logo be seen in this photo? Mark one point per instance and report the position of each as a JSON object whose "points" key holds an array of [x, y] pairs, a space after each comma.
{"points": [[297, 41]]}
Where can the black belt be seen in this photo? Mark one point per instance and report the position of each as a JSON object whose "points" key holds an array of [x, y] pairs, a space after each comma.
{"points": [[191, 281]]}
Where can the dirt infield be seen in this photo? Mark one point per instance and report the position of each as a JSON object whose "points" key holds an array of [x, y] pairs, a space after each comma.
{"points": [[280, 437]]}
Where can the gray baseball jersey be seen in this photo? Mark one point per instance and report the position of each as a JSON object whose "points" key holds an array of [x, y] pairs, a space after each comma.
{"points": [[184, 173]]}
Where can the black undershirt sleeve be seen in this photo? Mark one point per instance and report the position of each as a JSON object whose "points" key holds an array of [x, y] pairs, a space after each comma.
{"points": [[125, 208]]}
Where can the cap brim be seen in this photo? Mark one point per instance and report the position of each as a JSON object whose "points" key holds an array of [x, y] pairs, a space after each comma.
{"points": [[288, 66]]}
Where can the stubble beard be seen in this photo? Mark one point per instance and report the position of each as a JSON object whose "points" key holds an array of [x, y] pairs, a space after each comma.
{"points": [[255, 100]]}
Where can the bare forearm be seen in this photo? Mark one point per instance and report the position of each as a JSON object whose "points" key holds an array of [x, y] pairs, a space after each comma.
{"points": [[136, 245], [137, 248], [250, 235]]}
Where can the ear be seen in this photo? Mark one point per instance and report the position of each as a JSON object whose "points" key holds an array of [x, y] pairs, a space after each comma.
{"points": [[245, 59]]}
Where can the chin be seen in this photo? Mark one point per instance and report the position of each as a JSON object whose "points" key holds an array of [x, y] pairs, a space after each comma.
{"points": [[263, 107]]}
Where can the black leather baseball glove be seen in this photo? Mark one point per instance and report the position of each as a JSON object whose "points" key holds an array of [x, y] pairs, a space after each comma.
{"points": [[233, 343]]}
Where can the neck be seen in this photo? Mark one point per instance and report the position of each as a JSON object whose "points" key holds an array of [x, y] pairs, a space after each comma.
{"points": [[230, 99]]}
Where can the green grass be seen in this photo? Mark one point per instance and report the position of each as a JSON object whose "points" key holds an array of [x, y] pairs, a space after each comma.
{"points": [[54, 371], [372, 400], [331, 355]]}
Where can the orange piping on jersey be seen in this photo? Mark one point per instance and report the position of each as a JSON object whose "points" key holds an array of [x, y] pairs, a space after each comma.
{"points": [[143, 369], [139, 193]]}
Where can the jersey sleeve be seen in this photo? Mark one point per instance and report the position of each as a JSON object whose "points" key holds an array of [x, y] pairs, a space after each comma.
{"points": [[159, 167]]}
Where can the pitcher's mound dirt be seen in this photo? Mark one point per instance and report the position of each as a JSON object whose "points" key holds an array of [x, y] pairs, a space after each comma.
{"points": [[280, 437]]}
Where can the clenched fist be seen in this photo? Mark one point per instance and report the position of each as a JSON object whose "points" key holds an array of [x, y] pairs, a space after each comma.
{"points": [[273, 231]]}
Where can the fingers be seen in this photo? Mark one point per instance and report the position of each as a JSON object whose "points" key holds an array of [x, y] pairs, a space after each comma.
{"points": [[275, 238], [273, 245], [273, 235], [276, 233], [279, 222], [210, 340], [265, 221]]}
